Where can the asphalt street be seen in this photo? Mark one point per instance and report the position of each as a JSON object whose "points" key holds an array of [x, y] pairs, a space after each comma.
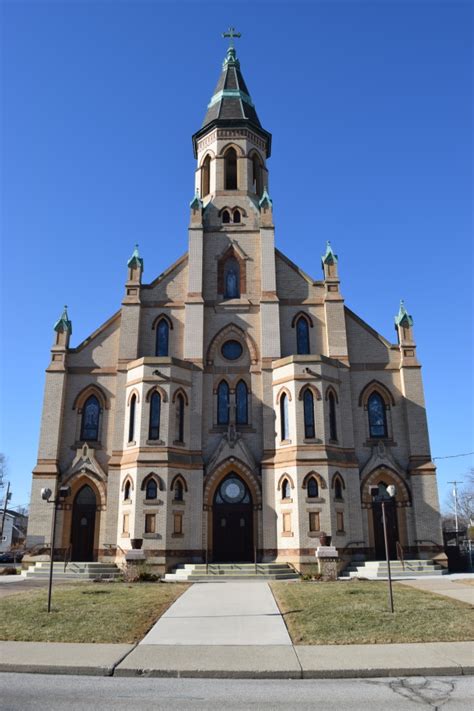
{"points": [[75, 693]]}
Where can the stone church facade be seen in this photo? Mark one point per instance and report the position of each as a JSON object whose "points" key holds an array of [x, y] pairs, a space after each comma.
{"points": [[234, 407]]}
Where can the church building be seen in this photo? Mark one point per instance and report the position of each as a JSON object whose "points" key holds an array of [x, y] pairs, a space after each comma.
{"points": [[234, 408]]}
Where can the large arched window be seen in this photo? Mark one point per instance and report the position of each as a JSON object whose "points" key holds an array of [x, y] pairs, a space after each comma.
{"points": [[131, 418], [90, 419], [180, 418], [302, 336], [162, 338], [230, 169], [206, 177], [241, 403], [308, 408], [284, 422], [151, 491], [231, 279], [313, 488], [377, 416], [155, 416], [257, 181], [332, 417], [223, 403]]}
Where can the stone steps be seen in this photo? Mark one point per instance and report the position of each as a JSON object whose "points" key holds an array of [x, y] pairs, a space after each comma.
{"points": [[199, 572], [72, 571], [374, 570]]}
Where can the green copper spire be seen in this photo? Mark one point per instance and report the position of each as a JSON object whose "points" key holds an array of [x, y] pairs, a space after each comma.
{"points": [[329, 257], [63, 323], [196, 202], [231, 56], [403, 318], [135, 260], [265, 200]]}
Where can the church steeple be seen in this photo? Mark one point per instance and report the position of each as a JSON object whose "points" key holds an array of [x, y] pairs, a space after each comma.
{"points": [[231, 146]]}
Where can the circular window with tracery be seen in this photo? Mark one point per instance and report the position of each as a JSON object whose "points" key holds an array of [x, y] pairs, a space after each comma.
{"points": [[232, 350], [232, 491]]}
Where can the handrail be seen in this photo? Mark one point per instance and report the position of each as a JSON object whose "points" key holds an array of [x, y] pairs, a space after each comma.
{"points": [[400, 554], [67, 556]]}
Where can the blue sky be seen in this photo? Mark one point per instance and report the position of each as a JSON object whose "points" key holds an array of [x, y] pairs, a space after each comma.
{"points": [[369, 104]]}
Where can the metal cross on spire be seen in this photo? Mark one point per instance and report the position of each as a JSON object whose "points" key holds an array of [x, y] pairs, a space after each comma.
{"points": [[231, 33]]}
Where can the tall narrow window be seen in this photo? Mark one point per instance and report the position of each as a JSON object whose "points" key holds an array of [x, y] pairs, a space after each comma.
{"points": [[131, 418], [126, 491], [241, 402], [308, 407], [257, 175], [180, 418], [285, 489], [314, 524], [377, 417], [90, 420], [151, 489], [178, 491], [155, 416], [230, 169], [150, 523], [226, 217], [206, 177], [313, 488], [162, 338], [223, 403], [125, 524], [302, 336], [338, 488], [284, 424], [332, 417], [231, 279], [236, 216]]}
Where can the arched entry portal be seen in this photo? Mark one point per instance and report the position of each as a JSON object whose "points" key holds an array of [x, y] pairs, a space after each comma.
{"points": [[83, 524], [232, 512]]}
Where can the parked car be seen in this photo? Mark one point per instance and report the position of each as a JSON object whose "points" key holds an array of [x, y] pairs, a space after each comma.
{"points": [[12, 557]]}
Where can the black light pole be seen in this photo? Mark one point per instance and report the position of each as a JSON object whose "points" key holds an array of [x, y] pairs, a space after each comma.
{"points": [[63, 493], [391, 491]]}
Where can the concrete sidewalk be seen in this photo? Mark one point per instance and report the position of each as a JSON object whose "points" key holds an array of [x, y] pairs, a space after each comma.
{"points": [[240, 613], [240, 661], [444, 586]]}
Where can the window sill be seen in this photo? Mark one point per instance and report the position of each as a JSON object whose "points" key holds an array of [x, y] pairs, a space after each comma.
{"points": [[286, 501], [314, 534], [287, 534], [124, 535], [152, 502], [155, 442], [312, 440], [179, 443], [127, 502], [315, 500], [339, 501], [340, 533], [178, 502], [333, 441], [151, 535], [283, 442], [177, 535], [131, 444]]}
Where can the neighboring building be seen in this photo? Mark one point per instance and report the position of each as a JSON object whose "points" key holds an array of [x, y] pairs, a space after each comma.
{"points": [[14, 530], [234, 403]]}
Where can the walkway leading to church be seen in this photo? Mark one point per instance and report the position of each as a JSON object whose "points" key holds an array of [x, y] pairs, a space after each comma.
{"points": [[240, 613]]}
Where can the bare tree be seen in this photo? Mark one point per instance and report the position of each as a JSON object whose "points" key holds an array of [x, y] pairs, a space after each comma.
{"points": [[465, 504]]}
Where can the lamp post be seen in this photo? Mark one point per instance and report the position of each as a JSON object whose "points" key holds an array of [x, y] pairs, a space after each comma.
{"points": [[391, 491], [46, 494]]}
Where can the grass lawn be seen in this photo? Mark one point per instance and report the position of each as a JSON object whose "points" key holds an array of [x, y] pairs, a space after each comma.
{"points": [[96, 612], [357, 613]]}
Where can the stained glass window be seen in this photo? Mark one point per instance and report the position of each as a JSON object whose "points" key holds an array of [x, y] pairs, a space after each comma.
{"points": [[377, 417], [162, 338], [241, 397], [302, 336], [231, 279], [155, 416], [223, 404], [151, 489], [231, 350], [131, 421], [313, 488], [90, 420], [332, 417], [308, 406], [284, 424]]}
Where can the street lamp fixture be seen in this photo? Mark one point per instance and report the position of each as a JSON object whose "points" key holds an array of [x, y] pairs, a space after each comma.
{"points": [[46, 494]]}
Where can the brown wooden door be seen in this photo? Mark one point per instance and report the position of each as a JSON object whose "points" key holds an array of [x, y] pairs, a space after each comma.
{"points": [[392, 529], [83, 525], [232, 522]]}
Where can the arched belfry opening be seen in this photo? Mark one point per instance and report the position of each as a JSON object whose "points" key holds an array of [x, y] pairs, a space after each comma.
{"points": [[232, 521], [206, 177], [230, 169], [83, 528]]}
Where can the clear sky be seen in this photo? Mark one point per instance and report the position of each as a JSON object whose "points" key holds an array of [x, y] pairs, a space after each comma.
{"points": [[369, 104]]}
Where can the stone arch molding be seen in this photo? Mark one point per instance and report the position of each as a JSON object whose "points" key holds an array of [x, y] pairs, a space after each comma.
{"points": [[312, 388], [224, 334], [314, 475], [282, 479], [212, 480], [389, 475], [156, 389], [91, 389], [375, 386]]}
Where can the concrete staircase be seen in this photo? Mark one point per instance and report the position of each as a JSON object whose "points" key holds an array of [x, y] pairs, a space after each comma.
{"points": [[377, 569], [198, 572], [73, 571]]}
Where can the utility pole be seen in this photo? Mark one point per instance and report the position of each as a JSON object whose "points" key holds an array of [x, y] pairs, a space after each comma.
{"points": [[4, 513], [455, 494]]}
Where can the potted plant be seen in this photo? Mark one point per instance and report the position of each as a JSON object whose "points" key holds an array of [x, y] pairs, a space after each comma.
{"points": [[324, 539], [136, 543]]}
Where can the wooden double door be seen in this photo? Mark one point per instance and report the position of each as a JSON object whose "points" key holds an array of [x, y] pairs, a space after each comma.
{"points": [[83, 525], [232, 511]]}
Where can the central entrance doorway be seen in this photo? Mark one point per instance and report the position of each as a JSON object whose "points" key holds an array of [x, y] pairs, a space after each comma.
{"points": [[83, 525], [391, 521], [232, 522]]}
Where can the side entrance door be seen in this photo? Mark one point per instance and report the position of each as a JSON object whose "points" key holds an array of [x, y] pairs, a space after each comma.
{"points": [[83, 525]]}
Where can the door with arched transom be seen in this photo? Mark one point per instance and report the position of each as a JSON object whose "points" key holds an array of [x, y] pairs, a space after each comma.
{"points": [[83, 525], [232, 512]]}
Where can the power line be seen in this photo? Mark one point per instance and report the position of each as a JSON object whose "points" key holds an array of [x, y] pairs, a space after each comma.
{"points": [[453, 456]]}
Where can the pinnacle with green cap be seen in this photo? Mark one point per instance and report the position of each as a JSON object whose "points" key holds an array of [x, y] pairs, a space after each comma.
{"points": [[196, 202], [63, 324], [329, 257], [403, 318], [135, 260], [265, 200]]}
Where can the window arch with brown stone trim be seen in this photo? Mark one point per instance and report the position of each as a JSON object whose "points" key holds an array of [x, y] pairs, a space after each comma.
{"points": [[158, 482], [338, 485], [180, 400], [127, 488], [321, 484], [377, 400], [178, 487], [285, 484], [206, 176], [163, 325], [231, 258], [257, 173], [332, 399], [302, 322]]}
